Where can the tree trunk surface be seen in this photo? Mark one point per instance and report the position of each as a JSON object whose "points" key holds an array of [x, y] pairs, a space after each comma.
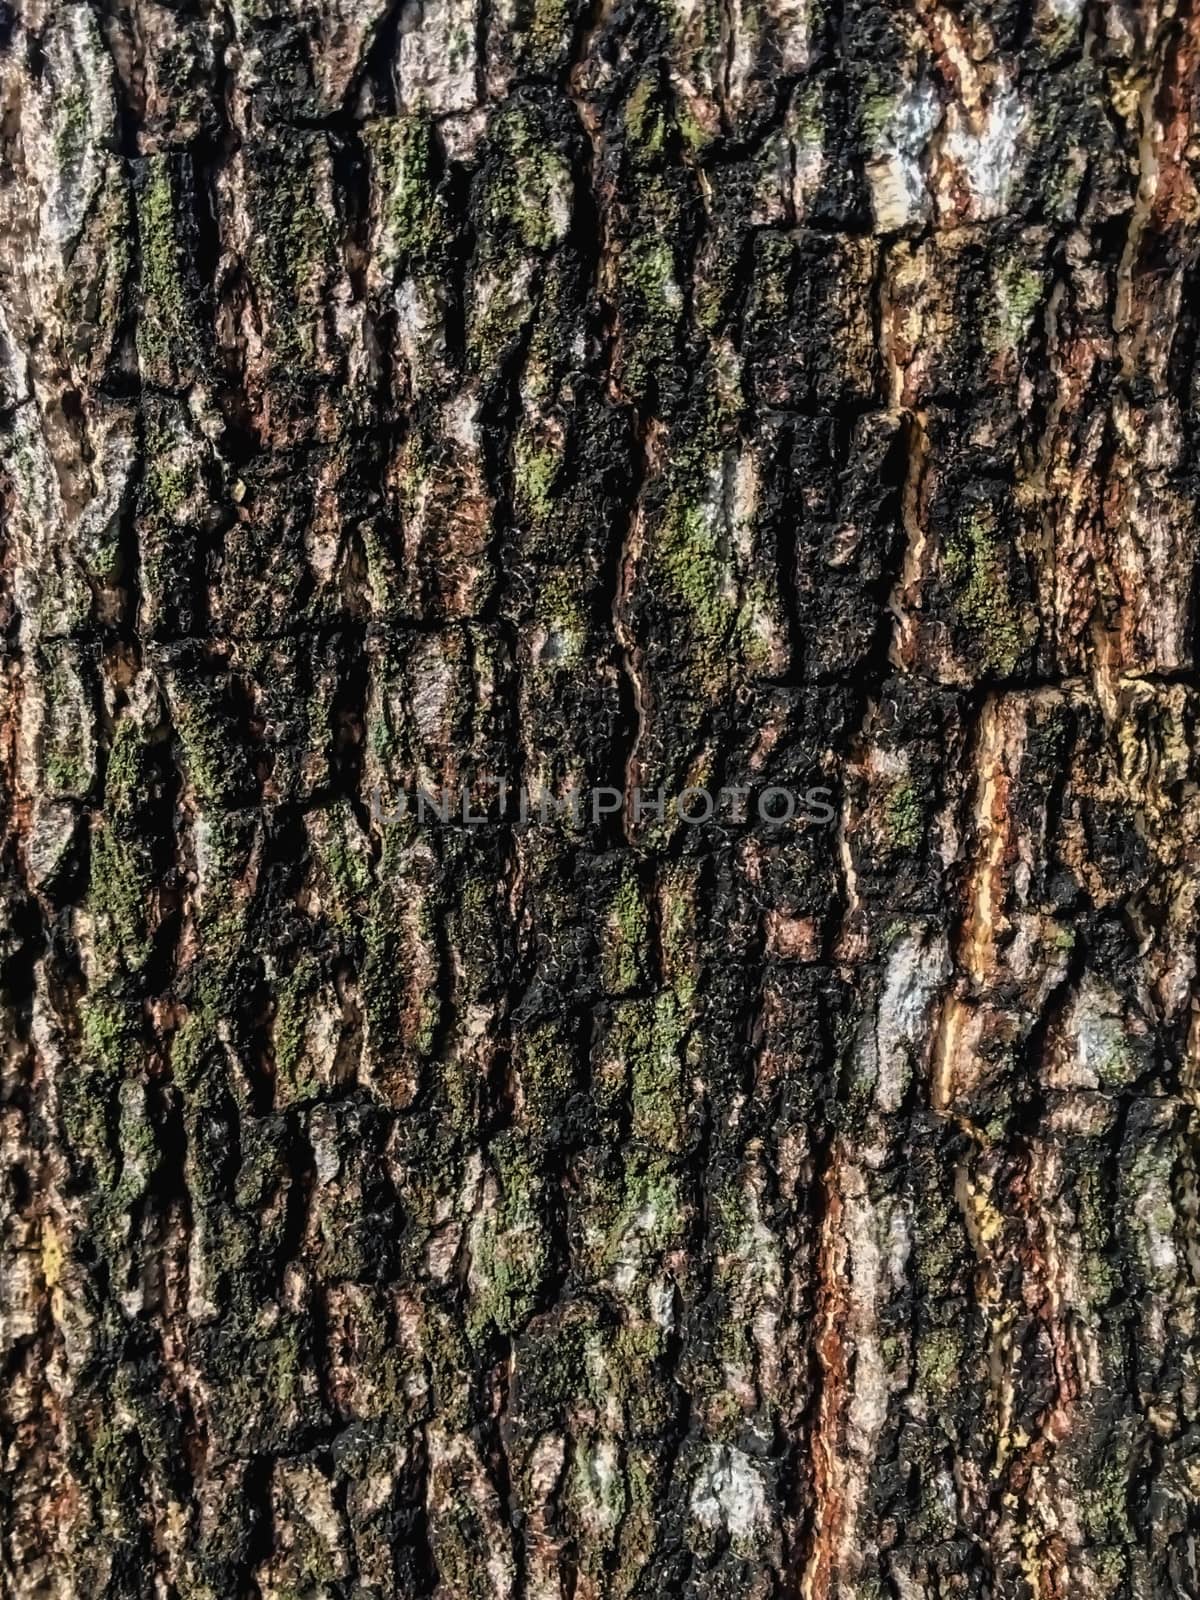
{"points": [[710, 395]]}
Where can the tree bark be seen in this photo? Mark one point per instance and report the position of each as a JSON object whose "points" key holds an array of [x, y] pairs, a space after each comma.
{"points": [[400, 397]]}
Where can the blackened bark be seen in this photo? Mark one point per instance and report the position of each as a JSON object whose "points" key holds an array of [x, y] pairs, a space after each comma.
{"points": [[405, 396]]}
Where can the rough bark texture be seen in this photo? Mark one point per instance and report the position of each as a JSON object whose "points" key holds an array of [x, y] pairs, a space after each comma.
{"points": [[711, 392]]}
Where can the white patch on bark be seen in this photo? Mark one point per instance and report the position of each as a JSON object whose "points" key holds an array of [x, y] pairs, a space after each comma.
{"points": [[1155, 1210], [899, 1249], [14, 369], [917, 969], [869, 1395], [729, 1493], [461, 419], [985, 146], [418, 315], [742, 497], [461, 135], [600, 1493], [630, 1251], [898, 181], [63, 133], [791, 35], [1098, 1037], [661, 1296], [52, 832], [436, 57]]}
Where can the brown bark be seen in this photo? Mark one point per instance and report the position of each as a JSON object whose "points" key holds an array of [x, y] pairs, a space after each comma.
{"points": [[400, 397]]}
